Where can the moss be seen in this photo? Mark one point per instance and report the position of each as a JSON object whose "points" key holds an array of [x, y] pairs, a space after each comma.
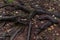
{"points": [[10, 1]]}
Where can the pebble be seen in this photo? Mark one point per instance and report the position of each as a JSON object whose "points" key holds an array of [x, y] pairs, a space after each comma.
{"points": [[17, 12], [53, 15], [37, 16], [9, 30], [37, 37], [49, 29], [0, 16], [42, 21], [36, 5], [52, 27], [34, 37], [55, 18], [3, 12], [36, 25], [7, 24], [57, 34], [55, 25]]}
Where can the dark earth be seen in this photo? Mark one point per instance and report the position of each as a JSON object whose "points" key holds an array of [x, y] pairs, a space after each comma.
{"points": [[28, 28]]}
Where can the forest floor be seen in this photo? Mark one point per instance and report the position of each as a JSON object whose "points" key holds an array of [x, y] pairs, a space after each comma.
{"points": [[10, 28]]}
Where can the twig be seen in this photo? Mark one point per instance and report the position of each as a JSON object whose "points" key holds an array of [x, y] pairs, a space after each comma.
{"points": [[20, 30], [3, 24], [40, 12], [8, 18], [47, 17], [43, 27], [21, 22], [29, 31]]}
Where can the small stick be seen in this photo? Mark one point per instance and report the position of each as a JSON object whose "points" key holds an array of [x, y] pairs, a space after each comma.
{"points": [[40, 12], [3, 24], [8, 18], [46, 17], [20, 30], [43, 27], [23, 8], [29, 31], [21, 22]]}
